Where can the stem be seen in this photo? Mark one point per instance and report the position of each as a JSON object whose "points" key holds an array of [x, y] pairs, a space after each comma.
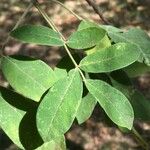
{"points": [[49, 21], [53, 26], [36, 4], [16, 25], [141, 141], [76, 15], [97, 11], [71, 57]]}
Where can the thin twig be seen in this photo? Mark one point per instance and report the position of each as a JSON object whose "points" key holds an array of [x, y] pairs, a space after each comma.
{"points": [[96, 9], [16, 25]]}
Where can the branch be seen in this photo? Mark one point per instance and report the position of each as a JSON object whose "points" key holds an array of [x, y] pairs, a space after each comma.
{"points": [[97, 11]]}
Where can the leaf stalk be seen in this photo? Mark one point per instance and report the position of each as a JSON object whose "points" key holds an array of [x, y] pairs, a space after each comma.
{"points": [[141, 141], [53, 26]]}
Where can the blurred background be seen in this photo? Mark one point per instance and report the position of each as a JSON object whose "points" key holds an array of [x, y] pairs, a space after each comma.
{"points": [[96, 133]]}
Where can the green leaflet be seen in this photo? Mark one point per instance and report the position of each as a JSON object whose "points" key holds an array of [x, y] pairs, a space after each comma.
{"points": [[114, 103], [17, 119], [140, 104], [28, 76], [10, 117], [38, 35], [137, 37], [86, 38], [136, 69], [58, 144], [59, 73], [58, 108], [109, 59], [87, 24], [104, 43], [86, 108]]}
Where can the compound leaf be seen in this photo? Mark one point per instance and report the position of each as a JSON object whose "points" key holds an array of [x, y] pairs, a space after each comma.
{"points": [[114, 103], [38, 35], [28, 76], [58, 108], [109, 59], [86, 108]]}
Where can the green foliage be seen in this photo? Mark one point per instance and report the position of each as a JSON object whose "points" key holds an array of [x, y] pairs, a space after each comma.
{"points": [[51, 99], [140, 104], [86, 38], [38, 35], [24, 74], [137, 37], [87, 24], [136, 69], [10, 117], [114, 103], [58, 144], [86, 108], [60, 105], [110, 29], [109, 59], [103, 43], [17, 119]]}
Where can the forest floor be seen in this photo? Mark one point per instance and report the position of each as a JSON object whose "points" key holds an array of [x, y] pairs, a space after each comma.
{"points": [[95, 133]]}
